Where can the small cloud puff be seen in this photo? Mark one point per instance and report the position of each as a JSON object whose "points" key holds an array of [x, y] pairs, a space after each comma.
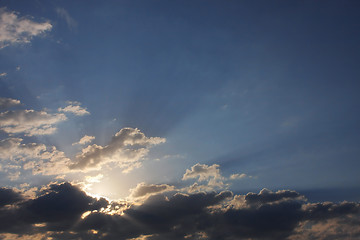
{"points": [[75, 108], [84, 140]]}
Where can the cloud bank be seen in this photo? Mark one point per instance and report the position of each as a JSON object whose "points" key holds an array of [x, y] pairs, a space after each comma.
{"points": [[63, 211]]}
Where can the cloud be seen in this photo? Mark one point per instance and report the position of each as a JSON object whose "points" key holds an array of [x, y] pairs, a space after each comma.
{"points": [[37, 157], [72, 24], [9, 196], [8, 102], [145, 190], [238, 176], [30, 122], [74, 108], [84, 140], [56, 208], [267, 196], [15, 29], [4, 74], [203, 172], [126, 149], [63, 211]]}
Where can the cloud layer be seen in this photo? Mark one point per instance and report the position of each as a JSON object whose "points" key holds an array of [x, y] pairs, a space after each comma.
{"points": [[63, 211]]}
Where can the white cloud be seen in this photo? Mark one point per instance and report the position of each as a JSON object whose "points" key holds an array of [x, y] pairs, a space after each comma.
{"points": [[4, 74], [18, 30], [126, 149], [74, 108], [84, 140], [30, 122], [8, 102], [203, 172]]}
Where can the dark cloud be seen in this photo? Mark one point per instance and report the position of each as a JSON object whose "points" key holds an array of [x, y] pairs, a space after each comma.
{"points": [[58, 212], [267, 196], [58, 207], [9, 196], [327, 210]]}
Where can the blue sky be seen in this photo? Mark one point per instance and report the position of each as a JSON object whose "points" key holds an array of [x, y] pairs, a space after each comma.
{"points": [[265, 90]]}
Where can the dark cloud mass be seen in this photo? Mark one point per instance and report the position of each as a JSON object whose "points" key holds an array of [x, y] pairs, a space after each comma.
{"points": [[63, 211]]}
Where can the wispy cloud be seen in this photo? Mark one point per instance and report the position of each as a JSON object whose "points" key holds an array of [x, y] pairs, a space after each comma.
{"points": [[15, 29], [64, 14]]}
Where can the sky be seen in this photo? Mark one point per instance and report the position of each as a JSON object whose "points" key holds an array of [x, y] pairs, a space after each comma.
{"points": [[153, 120]]}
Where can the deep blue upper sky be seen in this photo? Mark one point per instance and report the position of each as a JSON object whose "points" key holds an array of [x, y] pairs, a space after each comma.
{"points": [[266, 88]]}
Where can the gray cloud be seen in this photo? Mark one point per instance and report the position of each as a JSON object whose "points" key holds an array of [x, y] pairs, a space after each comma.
{"points": [[14, 29], [267, 196], [126, 149], [58, 212]]}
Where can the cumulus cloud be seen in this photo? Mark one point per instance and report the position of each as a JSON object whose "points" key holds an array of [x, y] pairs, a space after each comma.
{"points": [[8, 102], [38, 158], [4, 74], [203, 172], [208, 178], [75, 108], [84, 140], [30, 122], [145, 190], [15, 29], [63, 211], [126, 149]]}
